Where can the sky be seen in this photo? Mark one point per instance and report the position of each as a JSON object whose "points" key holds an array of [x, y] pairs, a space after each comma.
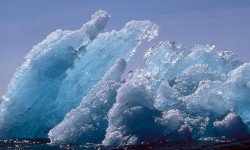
{"points": [[23, 24]]}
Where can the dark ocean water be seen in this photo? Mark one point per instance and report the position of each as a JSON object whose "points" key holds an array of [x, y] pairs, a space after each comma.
{"points": [[205, 143]]}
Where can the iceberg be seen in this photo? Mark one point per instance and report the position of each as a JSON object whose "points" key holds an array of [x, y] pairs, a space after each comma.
{"points": [[61, 70], [70, 90]]}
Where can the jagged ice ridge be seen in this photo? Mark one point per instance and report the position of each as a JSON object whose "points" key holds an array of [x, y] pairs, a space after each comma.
{"points": [[70, 89]]}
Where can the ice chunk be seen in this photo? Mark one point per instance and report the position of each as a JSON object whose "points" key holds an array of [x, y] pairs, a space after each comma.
{"points": [[100, 56], [35, 85], [167, 60], [206, 54], [167, 97], [61, 70], [135, 125], [240, 91], [88, 122], [188, 81], [131, 117], [198, 90], [217, 97], [134, 120], [163, 67], [170, 52], [231, 126], [203, 84], [171, 119]]}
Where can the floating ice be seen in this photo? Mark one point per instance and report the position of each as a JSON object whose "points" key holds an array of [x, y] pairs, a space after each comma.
{"points": [[70, 89], [61, 70]]}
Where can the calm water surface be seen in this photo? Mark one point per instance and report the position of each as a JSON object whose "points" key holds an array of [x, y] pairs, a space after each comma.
{"points": [[205, 143]]}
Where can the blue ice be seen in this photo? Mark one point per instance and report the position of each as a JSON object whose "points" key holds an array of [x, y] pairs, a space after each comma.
{"points": [[70, 89]]}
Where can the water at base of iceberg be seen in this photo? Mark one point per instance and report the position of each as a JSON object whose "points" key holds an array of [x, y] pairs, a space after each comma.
{"points": [[203, 143], [69, 93]]}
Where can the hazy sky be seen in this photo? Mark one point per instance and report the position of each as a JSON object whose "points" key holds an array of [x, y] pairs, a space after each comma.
{"points": [[225, 23]]}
